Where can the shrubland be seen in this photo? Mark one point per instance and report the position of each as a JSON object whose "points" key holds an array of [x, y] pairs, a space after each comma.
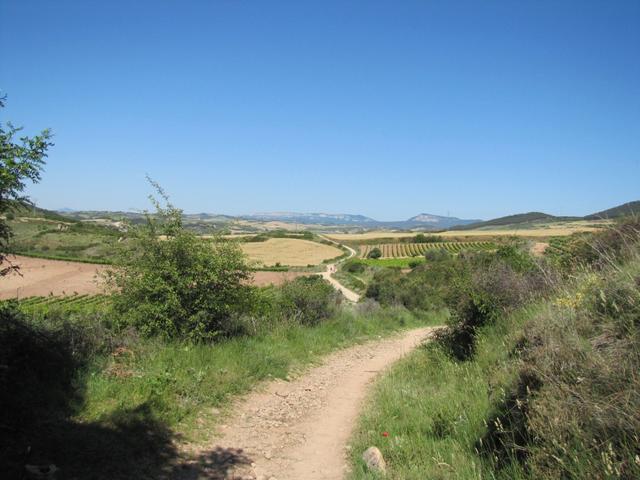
{"points": [[535, 376]]}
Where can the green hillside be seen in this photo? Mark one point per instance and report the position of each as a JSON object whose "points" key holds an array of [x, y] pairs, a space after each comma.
{"points": [[629, 208]]}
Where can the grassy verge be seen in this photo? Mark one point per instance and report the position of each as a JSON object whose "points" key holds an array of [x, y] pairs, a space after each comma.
{"points": [[392, 262], [178, 381], [550, 391], [109, 405], [351, 281], [434, 410]]}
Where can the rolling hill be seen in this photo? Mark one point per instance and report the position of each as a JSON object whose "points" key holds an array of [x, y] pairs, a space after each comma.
{"points": [[629, 208], [539, 217]]}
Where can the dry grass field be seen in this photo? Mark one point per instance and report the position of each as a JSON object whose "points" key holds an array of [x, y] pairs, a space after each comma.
{"points": [[556, 229], [356, 237], [289, 251]]}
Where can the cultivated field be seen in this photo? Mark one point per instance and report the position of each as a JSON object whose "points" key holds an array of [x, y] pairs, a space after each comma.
{"points": [[358, 237], [532, 230], [289, 251], [39, 277], [43, 278], [403, 250]]}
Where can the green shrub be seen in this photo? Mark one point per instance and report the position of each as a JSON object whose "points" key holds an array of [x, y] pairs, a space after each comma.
{"points": [[422, 238], [374, 253], [436, 255], [354, 266], [171, 283], [309, 300]]}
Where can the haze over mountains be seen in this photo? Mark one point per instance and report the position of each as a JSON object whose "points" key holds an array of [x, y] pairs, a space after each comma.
{"points": [[422, 221]]}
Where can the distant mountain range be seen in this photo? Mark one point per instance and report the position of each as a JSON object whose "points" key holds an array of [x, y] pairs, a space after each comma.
{"points": [[423, 221]]}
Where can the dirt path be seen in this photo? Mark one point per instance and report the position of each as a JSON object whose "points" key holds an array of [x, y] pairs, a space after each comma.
{"points": [[333, 267], [299, 430]]}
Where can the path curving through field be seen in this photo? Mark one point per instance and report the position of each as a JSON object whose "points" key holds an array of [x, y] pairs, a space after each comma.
{"points": [[300, 429], [332, 268]]}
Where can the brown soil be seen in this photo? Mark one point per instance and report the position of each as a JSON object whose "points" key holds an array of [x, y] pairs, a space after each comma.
{"points": [[40, 277], [299, 429]]}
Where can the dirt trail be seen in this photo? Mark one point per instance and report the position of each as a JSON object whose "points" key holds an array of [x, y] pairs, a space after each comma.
{"points": [[299, 430], [332, 268]]}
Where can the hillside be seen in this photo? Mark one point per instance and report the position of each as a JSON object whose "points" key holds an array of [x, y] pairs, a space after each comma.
{"points": [[629, 208], [513, 220]]}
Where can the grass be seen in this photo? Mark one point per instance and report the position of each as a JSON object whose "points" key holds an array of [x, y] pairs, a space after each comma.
{"points": [[391, 262], [76, 241], [434, 410], [551, 391], [116, 406], [180, 380]]}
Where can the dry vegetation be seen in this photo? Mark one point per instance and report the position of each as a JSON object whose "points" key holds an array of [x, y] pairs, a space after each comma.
{"points": [[289, 251]]}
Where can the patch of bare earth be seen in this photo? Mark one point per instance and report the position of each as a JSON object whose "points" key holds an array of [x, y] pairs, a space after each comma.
{"points": [[299, 429], [538, 248], [40, 277]]}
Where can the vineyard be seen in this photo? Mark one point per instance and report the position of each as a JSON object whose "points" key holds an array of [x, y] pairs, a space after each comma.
{"points": [[70, 303], [405, 250]]}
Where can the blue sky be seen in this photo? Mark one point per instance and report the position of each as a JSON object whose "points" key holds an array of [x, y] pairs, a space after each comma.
{"points": [[384, 108]]}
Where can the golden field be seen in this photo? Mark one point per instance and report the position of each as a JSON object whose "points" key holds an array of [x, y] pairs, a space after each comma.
{"points": [[289, 251], [555, 229]]}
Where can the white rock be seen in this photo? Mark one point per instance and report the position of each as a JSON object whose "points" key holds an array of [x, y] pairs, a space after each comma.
{"points": [[374, 460]]}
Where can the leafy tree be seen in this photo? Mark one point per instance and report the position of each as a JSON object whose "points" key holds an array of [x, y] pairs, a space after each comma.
{"points": [[171, 283], [20, 162], [374, 253]]}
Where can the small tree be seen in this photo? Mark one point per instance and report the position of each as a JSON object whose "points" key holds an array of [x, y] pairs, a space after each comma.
{"points": [[374, 253], [172, 283], [19, 163]]}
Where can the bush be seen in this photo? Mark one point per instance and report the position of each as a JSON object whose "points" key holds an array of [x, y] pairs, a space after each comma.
{"points": [[171, 283], [422, 238], [374, 253], [436, 255], [309, 300], [575, 410], [40, 365], [353, 266], [424, 288], [485, 287]]}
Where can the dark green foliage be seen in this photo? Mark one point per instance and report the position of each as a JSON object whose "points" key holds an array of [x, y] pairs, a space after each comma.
{"points": [[436, 255], [309, 300], [19, 163], [424, 288], [374, 253], [354, 266], [422, 238]]}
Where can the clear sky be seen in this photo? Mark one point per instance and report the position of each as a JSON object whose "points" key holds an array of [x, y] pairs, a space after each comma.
{"points": [[383, 108]]}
